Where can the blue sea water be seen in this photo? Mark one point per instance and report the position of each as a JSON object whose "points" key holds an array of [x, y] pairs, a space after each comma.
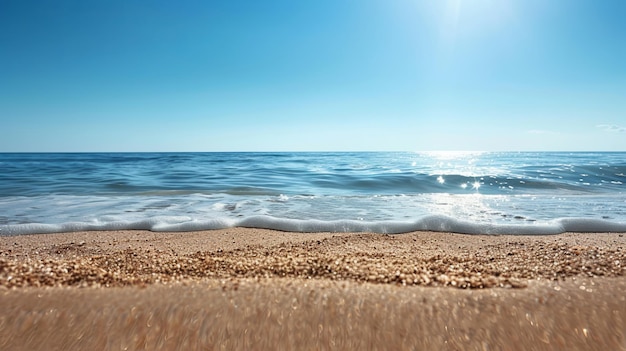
{"points": [[384, 192]]}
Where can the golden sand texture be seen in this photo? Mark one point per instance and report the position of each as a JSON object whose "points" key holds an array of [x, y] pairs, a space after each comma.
{"points": [[252, 289], [428, 259]]}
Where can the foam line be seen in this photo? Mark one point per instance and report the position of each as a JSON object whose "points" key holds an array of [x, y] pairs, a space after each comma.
{"points": [[439, 223]]}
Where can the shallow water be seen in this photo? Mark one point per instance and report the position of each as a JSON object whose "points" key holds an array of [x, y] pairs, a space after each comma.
{"points": [[469, 192]]}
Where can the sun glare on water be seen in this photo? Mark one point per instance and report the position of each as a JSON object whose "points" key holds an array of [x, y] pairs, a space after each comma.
{"points": [[452, 155]]}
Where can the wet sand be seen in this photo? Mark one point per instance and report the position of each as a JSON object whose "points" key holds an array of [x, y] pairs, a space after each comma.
{"points": [[260, 289]]}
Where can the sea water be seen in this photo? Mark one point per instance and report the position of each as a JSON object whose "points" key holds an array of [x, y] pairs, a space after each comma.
{"points": [[383, 192]]}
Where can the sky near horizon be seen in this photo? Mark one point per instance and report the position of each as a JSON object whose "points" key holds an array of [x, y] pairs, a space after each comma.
{"points": [[324, 75]]}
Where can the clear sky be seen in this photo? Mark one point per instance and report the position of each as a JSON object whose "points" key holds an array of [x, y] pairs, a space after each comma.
{"points": [[285, 75]]}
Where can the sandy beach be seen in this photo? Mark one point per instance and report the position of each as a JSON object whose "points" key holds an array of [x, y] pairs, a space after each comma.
{"points": [[254, 289]]}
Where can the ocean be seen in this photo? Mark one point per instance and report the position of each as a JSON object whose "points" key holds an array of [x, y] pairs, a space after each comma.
{"points": [[382, 192]]}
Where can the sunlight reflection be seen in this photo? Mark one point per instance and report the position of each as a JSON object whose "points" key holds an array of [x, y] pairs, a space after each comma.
{"points": [[452, 155], [470, 206], [447, 166]]}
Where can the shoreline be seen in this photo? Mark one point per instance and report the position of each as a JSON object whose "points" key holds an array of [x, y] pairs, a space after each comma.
{"points": [[244, 288]]}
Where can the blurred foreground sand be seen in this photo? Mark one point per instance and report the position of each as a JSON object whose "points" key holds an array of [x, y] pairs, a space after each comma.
{"points": [[255, 289]]}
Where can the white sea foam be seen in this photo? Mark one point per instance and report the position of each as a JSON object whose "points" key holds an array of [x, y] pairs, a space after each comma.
{"points": [[437, 223]]}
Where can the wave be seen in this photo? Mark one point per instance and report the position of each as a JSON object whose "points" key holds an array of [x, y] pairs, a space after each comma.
{"points": [[492, 193], [313, 174], [437, 223]]}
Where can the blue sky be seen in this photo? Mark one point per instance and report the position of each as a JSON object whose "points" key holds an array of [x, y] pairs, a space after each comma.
{"points": [[411, 75]]}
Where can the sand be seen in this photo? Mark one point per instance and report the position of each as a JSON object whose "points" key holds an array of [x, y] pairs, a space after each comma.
{"points": [[254, 289]]}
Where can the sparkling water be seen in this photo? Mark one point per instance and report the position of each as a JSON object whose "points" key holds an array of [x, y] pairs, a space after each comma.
{"points": [[385, 192]]}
